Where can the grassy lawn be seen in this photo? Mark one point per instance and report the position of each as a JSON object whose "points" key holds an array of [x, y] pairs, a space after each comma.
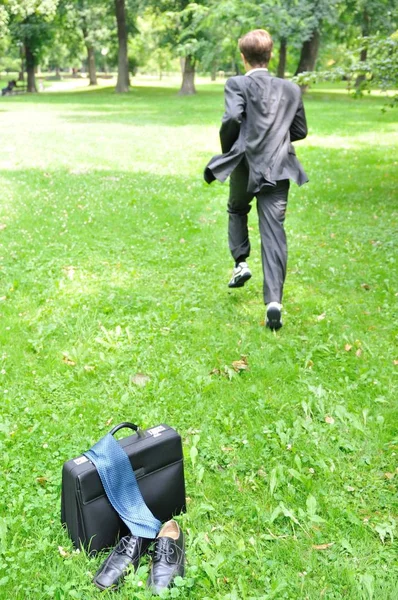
{"points": [[114, 262]]}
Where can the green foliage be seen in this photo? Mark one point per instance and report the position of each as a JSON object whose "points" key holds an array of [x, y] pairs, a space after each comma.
{"points": [[296, 21], [379, 70], [29, 23], [371, 17], [3, 21], [93, 19], [151, 47]]}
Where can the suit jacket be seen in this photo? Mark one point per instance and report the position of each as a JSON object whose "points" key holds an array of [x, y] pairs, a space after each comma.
{"points": [[263, 115]]}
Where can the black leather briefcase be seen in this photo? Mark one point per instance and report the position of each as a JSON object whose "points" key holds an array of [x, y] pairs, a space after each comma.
{"points": [[156, 457]]}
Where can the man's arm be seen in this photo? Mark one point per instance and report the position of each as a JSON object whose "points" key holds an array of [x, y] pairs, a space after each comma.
{"points": [[298, 129], [234, 109]]}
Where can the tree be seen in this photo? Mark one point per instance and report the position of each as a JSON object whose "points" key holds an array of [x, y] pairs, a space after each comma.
{"points": [[83, 26], [123, 78], [380, 70], [288, 27], [94, 20], [67, 43], [190, 43], [226, 22], [186, 35], [30, 25], [151, 47], [369, 18], [87, 14], [314, 14]]}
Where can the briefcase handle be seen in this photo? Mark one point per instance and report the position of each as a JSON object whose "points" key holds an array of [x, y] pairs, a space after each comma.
{"points": [[126, 424]]}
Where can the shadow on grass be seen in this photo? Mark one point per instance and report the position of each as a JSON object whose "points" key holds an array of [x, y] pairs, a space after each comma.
{"points": [[162, 105], [142, 106]]}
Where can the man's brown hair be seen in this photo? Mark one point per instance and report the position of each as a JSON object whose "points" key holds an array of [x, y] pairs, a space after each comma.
{"points": [[256, 47]]}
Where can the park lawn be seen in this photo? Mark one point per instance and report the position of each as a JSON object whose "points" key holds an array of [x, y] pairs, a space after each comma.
{"points": [[114, 263]]}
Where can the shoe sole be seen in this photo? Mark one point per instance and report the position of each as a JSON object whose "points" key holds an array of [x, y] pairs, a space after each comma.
{"points": [[113, 587], [274, 319], [158, 591], [241, 281]]}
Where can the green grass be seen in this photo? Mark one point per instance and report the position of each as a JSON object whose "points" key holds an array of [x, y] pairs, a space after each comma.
{"points": [[114, 258]]}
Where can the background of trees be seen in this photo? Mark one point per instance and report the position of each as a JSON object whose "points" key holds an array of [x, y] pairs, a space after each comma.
{"points": [[355, 38]]}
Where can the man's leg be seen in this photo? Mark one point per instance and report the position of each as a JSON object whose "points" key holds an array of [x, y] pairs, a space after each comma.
{"points": [[238, 208], [271, 208]]}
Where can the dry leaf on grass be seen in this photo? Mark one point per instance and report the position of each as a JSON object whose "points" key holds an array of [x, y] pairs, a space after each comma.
{"points": [[321, 317], [215, 371], [109, 421], [240, 365], [347, 347], [329, 420], [226, 448], [322, 546], [68, 361], [358, 353], [365, 286], [224, 372], [89, 368], [2, 226], [389, 476], [140, 379]]}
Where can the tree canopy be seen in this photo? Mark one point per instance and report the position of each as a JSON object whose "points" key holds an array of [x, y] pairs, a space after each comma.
{"points": [[309, 35]]}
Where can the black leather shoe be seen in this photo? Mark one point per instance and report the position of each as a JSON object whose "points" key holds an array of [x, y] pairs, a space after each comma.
{"points": [[168, 557], [128, 552]]}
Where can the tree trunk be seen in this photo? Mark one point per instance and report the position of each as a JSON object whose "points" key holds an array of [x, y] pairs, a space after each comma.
{"points": [[282, 58], [30, 69], [213, 73], [188, 77], [92, 73], [22, 56], [364, 52], [236, 68], [309, 53], [123, 80], [57, 74]]}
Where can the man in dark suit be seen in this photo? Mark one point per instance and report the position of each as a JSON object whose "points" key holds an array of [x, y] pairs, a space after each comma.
{"points": [[263, 115]]}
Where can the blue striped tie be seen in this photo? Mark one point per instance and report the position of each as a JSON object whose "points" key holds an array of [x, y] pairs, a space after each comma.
{"points": [[121, 487]]}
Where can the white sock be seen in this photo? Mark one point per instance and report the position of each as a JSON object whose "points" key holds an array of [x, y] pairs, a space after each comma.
{"points": [[274, 305]]}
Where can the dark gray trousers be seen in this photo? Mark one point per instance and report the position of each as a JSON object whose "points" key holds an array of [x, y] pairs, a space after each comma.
{"points": [[271, 209]]}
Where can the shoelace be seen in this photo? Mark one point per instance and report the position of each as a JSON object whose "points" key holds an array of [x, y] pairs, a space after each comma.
{"points": [[162, 548], [126, 544]]}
